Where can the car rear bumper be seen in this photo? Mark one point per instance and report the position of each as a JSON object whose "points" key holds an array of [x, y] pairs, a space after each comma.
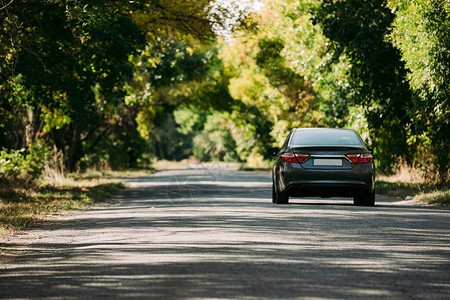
{"points": [[297, 181], [327, 189]]}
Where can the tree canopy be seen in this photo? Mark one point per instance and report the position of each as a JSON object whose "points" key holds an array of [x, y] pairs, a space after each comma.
{"points": [[120, 83]]}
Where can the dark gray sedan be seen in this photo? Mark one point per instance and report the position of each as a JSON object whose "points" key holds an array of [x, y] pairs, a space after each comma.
{"points": [[324, 162]]}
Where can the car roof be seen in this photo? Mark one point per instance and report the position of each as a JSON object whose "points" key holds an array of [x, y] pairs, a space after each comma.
{"points": [[321, 129]]}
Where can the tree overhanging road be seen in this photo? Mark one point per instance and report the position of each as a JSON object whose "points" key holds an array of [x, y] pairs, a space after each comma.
{"points": [[214, 233]]}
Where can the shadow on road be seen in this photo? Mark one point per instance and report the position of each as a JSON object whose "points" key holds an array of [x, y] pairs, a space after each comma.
{"points": [[230, 241]]}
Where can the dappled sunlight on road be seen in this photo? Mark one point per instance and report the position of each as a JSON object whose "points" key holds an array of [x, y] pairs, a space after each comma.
{"points": [[227, 240]]}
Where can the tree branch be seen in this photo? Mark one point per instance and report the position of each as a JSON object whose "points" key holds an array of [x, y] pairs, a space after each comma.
{"points": [[6, 5]]}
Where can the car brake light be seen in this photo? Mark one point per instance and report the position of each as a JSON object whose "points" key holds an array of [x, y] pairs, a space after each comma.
{"points": [[301, 157], [360, 158], [353, 157], [289, 157], [294, 157], [365, 158]]}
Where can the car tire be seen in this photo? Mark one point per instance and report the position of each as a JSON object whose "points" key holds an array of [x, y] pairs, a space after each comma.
{"points": [[366, 199], [282, 197], [274, 195]]}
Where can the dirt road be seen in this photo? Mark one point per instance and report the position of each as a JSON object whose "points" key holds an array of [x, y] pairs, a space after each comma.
{"points": [[214, 233]]}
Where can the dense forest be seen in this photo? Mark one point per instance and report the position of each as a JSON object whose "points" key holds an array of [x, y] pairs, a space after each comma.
{"points": [[118, 84]]}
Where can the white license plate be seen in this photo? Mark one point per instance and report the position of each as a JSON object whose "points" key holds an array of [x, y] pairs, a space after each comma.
{"points": [[328, 162]]}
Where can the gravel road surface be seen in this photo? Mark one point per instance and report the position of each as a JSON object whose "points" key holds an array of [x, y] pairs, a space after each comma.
{"points": [[214, 233]]}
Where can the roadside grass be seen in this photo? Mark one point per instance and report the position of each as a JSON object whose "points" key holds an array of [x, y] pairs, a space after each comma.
{"points": [[414, 184], [23, 203], [423, 192], [436, 197], [110, 175]]}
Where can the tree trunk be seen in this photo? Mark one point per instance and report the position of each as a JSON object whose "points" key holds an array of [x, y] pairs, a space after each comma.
{"points": [[75, 151], [29, 128]]}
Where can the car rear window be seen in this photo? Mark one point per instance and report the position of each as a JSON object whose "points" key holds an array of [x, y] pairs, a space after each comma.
{"points": [[325, 138]]}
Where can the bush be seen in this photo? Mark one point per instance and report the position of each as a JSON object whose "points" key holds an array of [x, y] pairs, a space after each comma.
{"points": [[24, 163], [12, 162]]}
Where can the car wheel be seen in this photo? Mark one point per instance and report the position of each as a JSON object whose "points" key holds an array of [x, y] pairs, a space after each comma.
{"points": [[274, 195], [366, 199], [282, 197]]}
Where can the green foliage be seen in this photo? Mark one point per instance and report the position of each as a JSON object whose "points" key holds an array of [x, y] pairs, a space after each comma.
{"points": [[172, 73], [169, 17], [112, 83], [72, 61], [376, 75], [166, 141], [12, 162], [65, 69], [420, 31], [24, 163], [216, 141], [190, 120]]}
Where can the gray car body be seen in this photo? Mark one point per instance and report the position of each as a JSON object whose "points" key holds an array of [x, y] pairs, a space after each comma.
{"points": [[306, 179]]}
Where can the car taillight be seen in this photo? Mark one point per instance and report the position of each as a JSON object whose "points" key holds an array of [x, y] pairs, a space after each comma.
{"points": [[289, 157], [301, 157], [360, 158], [294, 157]]}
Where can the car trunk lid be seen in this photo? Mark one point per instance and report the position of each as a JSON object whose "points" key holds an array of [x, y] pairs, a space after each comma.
{"points": [[327, 157]]}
